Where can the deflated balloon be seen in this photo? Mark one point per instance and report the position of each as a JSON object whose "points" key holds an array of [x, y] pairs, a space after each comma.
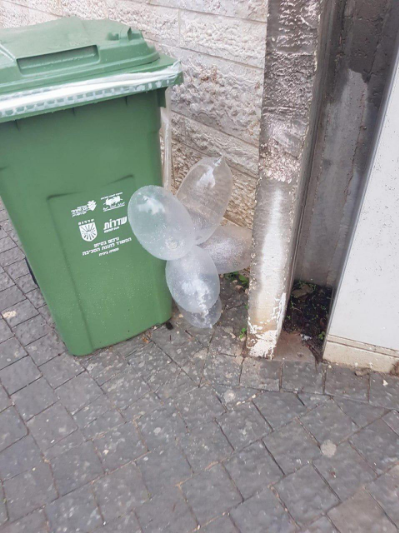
{"points": [[205, 319], [161, 223], [230, 248]]}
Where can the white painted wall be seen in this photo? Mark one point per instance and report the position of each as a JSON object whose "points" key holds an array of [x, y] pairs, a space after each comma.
{"points": [[221, 44], [366, 312]]}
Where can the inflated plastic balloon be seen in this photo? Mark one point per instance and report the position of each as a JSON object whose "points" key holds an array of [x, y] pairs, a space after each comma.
{"points": [[205, 192], [161, 223], [206, 319], [230, 248], [193, 281]]}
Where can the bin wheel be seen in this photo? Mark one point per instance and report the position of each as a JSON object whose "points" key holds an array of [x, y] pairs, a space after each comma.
{"points": [[31, 273]]}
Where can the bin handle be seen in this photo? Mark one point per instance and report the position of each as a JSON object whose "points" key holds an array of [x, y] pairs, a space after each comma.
{"points": [[32, 65]]}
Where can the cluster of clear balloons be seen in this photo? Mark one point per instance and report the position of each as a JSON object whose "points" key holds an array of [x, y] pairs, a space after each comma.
{"points": [[185, 231]]}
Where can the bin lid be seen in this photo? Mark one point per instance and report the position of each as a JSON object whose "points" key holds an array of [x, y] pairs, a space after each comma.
{"points": [[67, 51]]}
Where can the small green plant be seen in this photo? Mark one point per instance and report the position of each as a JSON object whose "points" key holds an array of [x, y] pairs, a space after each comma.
{"points": [[243, 332], [322, 336]]}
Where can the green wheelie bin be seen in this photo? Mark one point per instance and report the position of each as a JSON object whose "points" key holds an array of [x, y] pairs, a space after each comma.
{"points": [[79, 134]]}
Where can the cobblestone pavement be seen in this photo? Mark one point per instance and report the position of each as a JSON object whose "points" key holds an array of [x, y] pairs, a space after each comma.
{"points": [[175, 431]]}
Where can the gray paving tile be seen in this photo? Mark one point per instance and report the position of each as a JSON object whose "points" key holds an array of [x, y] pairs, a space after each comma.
{"points": [[74, 439], [18, 269], [75, 513], [34, 398], [120, 492], [343, 382], [262, 513], [392, 419], [10, 296], [46, 348], [18, 458], [26, 283], [194, 366], [19, 313], [145, 405], [103, 424], [161, 427], [76, 467], [279, 408], [306, 495], [378, 444], [3, 509], [232, 396], [292, 447], [163, 468], [205, 446], [222, 524], [11, 256], [211, 493], [384, 391], [35, 522], [5, 281], [385, 490], [360, 413], [170, 381], [226, 343], [78, 392], [222, 369], [168, 513], [124, 524], [10, 352], [106, 365], [198, 406], [60, 369], [361, 514], [12, 428], [29, 491], [313, 400], [177, 344], [261, 374], [328, 422], [32, 330], [51, 426], [5, 401], [36, 298], [124, 390], [303, 377], [5, 332], [243, 425], [345, 471], [253, 469], [19, 374], [322, 525], [119, 446]]}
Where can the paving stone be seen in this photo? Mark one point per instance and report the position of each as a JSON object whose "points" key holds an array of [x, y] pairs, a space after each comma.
{"points": [[10, 296], [168, 513], [145, 405], [94, 410], [103, 424], [177, 344], [148, 359], [19, 313], [5, 281], [3, 509], [65, 444], [262, 513], [5, 332], [5, 401], [169, 381], [124, 524], [106, 365], [22, 456], [328, 422], [26, 283], [120, 492], [211, 493], [385, 490], [75, 513], [253, 469], [130, 346], [232, 396], [46, 348], [36, 298], [198, 406], [345, 471], [361, 514], [205, 446], [34, 398], [243, 425], [224, 343], [161, 427], [36, 522], [18, 269], [234, 320], [292, 447], [378, 444], [392, 419], [61, 369], [222, 369], [194, 367], [202, 335], [126, 389], [51, 426], [6, 244], [321, 525], [360, 413], [222, 524], [46, 314], [343, 382], [306, 495], [163, 468], [119, 446], [10, 352], [384, 391], [12, 428], [261, 374], [313, 400], [279, 408], [303, 377], [11, 256], [76, 467], [31, 330], [29, 491], [19, 374], [78, 392]]}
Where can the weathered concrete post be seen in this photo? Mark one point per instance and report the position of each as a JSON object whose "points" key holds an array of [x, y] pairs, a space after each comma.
{"points": [[295, 68]]}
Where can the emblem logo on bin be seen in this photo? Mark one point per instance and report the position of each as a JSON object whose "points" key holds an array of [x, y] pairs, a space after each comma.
{"points": [[115, 201], [88, 231]]}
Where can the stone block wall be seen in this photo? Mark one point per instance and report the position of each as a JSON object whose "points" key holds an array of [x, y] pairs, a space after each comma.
{"points": [[221, 44]]}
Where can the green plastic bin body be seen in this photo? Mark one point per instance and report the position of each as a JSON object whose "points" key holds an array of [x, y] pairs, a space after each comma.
{"points": [[66, 178]]}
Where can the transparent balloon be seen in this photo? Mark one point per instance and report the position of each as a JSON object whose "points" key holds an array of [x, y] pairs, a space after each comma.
{"points": [[193, 281], [205, 192], [161, 223], [230, 248], [205, 319]]}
